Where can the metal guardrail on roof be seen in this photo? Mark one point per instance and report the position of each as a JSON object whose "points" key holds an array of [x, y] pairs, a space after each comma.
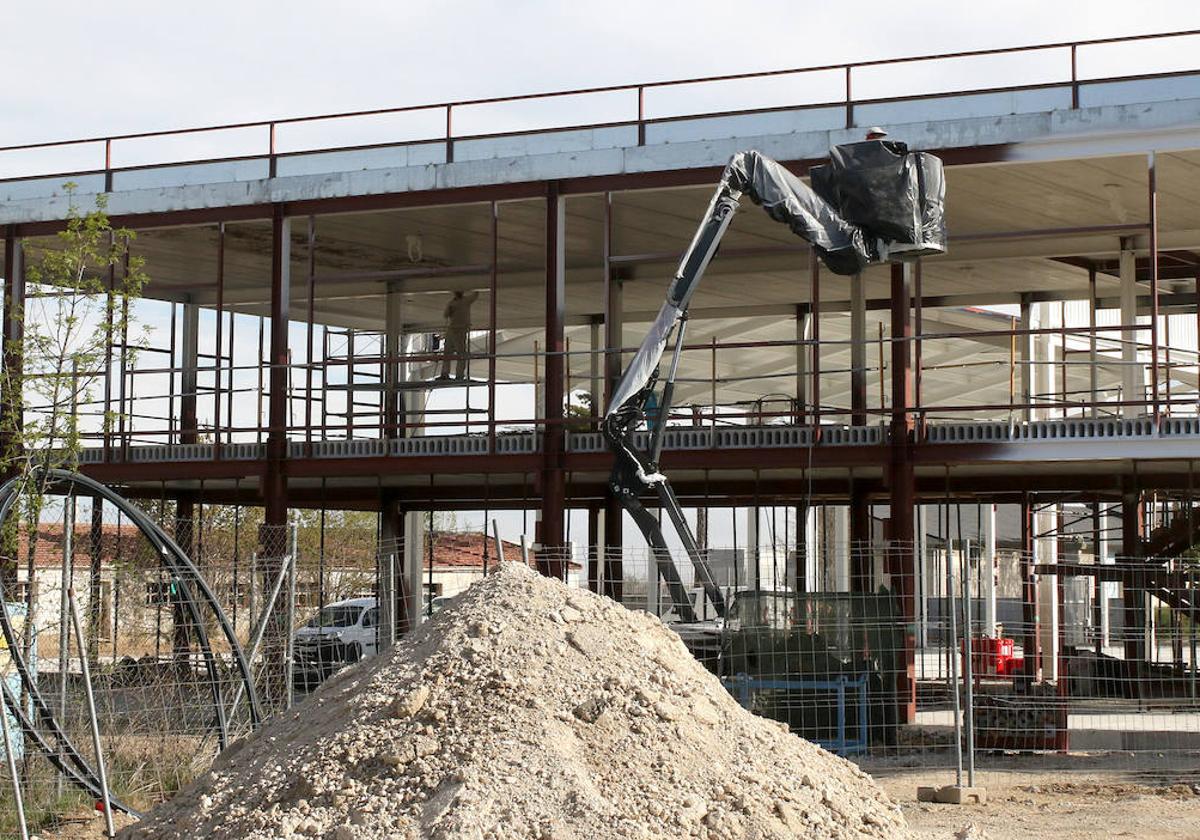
{"points": [[846, 109]]}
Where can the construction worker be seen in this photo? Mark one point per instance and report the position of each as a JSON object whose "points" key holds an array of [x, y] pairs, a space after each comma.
{"points": [[458, 324]]}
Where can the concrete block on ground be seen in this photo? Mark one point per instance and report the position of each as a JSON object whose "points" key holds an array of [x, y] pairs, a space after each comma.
{"points": [[953, 795]]}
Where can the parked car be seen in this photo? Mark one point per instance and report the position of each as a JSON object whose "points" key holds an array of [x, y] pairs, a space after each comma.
{"points": [[339, 635]]}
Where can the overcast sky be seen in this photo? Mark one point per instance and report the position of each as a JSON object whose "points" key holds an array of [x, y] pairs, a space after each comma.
{"points": [[85, 68]]}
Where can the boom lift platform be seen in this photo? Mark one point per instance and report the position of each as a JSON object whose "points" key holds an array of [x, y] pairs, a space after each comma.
{"points": [[875, 201]]}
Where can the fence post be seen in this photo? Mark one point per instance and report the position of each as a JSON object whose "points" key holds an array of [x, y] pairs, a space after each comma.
{"points": [[499, 545], [952, 643], [101, 772], [18, 800], [291, 620], [968, 665]]}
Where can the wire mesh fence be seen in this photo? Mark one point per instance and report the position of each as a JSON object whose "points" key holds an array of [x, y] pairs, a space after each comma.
{"points": [[861, 648]]}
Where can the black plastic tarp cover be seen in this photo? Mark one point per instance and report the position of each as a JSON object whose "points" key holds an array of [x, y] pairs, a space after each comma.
{"points": [[893, 194], [840, 243]]}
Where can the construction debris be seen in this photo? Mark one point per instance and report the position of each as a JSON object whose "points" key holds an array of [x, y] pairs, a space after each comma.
{"points": [[527, 710]]}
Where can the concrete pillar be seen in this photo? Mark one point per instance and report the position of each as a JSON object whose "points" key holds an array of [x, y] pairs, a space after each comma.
{"points": [[803, 331], [921, 584], [1046, 551], [840, 553], [798, 579], [859, 544], [1133, 378], [416, 534], [189, 349], [812, 549], [988, 570], [1044, 373], [1026, 358], [1108, 589], [1029, 595]]}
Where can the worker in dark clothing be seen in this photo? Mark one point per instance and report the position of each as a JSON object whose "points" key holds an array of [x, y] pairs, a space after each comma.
{"points": [[458, 324]]}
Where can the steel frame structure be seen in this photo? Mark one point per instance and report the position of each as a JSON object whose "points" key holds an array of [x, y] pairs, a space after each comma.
{"points": [[906, 469]]}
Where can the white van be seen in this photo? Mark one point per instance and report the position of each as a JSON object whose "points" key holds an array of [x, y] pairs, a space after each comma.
{"points": [[341, 634]]}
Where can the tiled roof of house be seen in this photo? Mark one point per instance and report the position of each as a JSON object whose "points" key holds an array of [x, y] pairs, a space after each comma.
{"points": [[464, 550]]}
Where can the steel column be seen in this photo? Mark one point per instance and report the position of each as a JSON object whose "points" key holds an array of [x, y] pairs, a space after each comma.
{"points": [[220, 314], [1152, 183], [858, 352], [274, 482], [553, 440], [393, 580], [1133, 597], [493, 325], [814, 279], [595, 550], [901, 557], [11, 422], [1029, 611], [1133, 382], [612, 564], [188, 374], [918, 306]]}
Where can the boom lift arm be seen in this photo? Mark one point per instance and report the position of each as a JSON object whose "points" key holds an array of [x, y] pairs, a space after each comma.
{"points": [[844, 246]]}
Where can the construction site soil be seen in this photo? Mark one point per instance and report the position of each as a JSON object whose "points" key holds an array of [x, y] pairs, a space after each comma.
{"points": [[527, 709]]}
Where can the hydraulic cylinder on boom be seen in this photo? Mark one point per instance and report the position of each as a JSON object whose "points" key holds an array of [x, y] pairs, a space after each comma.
{"points": [[875, 201]]}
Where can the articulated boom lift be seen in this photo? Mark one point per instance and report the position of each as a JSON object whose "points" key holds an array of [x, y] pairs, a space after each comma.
{"points": [[874, 201]]}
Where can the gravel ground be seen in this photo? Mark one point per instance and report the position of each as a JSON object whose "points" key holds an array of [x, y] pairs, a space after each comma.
{"points": [[1051, 804]]}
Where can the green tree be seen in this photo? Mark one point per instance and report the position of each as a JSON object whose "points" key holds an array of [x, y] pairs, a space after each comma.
{"points": [[78, 291]]}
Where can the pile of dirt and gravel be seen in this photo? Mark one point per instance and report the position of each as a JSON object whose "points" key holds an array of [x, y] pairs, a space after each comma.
{"points": [[527, 710]]}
